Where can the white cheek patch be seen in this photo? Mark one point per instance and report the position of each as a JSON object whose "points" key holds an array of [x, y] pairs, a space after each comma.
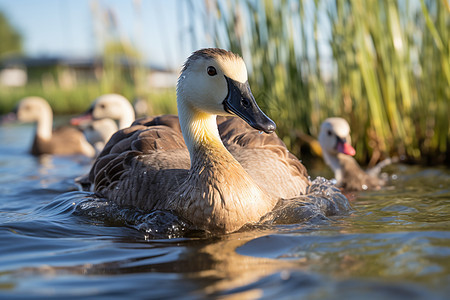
{"points": [[234, 69]]}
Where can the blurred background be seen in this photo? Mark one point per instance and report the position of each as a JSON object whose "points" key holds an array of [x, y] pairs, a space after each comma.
{"points": [[382, 65]]}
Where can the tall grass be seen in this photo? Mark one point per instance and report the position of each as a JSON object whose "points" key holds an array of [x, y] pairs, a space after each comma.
{"points": [[387, 74], [383, 65]]}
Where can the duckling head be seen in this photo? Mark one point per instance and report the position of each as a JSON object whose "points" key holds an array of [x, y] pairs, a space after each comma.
{"points": [[112, 106], [335, 137], [215, 81], [32, 109]]}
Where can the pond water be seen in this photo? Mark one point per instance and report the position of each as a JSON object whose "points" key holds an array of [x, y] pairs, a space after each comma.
{"points": [[395, 244]]}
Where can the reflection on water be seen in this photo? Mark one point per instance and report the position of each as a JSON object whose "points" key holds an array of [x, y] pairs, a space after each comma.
{"points": [[56, 242]]}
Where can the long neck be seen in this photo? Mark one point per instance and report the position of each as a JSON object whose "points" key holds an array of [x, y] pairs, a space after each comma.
{"points": [[45, 124], [333, 162], [230, 197], [199, 130], [127, 116]]}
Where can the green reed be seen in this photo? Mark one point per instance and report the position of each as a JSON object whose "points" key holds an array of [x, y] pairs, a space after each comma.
{"points": [[388, 73]]}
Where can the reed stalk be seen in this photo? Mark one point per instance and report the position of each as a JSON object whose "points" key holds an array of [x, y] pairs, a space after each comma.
{"points": [[388, 72]]}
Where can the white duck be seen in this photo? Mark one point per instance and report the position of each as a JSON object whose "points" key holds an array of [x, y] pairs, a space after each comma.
{"points": [[62, 141], [112, 106], [98, 123], [335, 141], [216, 181]]}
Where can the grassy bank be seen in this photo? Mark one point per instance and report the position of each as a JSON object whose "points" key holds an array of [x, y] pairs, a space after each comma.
{"points": [[79, 98]]}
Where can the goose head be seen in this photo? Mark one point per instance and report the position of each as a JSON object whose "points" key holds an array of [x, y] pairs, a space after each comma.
{"points": [[214, 81], [335, 138], [112, 106], [32, 109]]}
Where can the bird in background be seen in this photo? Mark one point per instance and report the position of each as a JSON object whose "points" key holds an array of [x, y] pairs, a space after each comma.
{"points": [[335, 141]]}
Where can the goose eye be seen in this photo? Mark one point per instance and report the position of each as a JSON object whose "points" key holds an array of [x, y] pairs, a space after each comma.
{"points": [[329, 132], [102, 106], [211, 71]]}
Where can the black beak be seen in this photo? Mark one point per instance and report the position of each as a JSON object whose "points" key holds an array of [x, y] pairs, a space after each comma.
{"points": [[240, 101]]}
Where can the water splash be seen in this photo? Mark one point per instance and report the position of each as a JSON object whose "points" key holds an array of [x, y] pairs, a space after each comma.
{"points": [[321, 200], [156, 224]]}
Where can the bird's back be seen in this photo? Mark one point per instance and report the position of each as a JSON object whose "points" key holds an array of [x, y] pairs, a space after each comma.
{"points": [[143, 164], [64, 141], [265, 157]]}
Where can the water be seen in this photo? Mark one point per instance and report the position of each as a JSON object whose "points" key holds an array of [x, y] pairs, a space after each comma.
{"points": [[59, 243]]}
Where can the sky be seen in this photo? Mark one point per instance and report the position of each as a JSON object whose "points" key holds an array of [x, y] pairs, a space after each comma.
{"points": [[159, 29], [68, 28]]}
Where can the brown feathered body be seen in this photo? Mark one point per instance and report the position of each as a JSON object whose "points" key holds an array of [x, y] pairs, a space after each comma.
{"points": [[353, 178], [63, 141], [216, 174], [148, 166]]}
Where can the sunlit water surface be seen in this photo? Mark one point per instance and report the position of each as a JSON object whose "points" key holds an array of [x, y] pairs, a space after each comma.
{"points": [[56, 242]]}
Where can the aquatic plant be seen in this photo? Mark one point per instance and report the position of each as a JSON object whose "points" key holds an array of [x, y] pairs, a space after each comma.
{"points": [[382, 65]]}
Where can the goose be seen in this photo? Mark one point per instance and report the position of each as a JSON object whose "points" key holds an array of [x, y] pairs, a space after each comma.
{"points": [[98, 123], [335, 141], [62, 141], [217, 173], [112, 106]]}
